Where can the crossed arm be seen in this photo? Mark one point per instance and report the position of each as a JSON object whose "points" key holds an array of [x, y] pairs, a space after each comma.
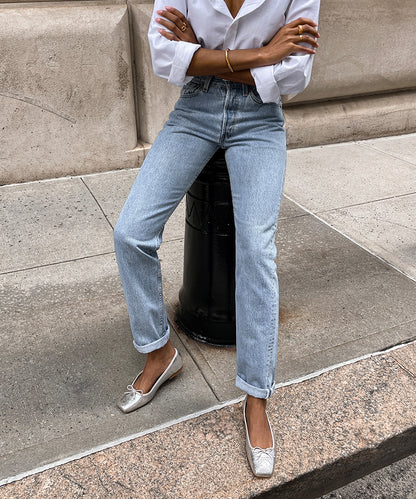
{"points": [[213, 62]]}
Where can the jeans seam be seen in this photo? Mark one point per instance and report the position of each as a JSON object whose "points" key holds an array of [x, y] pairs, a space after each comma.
{"points": [[273, 337], [160, 285]]}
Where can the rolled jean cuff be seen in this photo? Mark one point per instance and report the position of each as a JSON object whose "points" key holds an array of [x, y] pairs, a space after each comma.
{"points": [[254, 391], [155, 345]]}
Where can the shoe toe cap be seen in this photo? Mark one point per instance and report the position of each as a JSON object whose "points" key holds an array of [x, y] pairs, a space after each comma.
{"points": [[129, 401], [263, 462]]}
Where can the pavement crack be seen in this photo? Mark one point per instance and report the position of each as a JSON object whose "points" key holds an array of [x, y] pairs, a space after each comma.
{"points": [[96, 200], [72, 480], [190, 353], [97, 470], [14, 271], [363, 203], [389, 154], [408, 371], [124, 486]]}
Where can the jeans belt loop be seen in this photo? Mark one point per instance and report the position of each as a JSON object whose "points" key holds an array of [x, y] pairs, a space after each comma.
{"points": [[245, 89], [207, 83]]}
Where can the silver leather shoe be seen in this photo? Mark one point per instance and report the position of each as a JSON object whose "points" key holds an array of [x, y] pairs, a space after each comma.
{"points": [[133, 399], [261, 460]]}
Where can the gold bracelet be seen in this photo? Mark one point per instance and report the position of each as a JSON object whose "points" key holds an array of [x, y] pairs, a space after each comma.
{"points": [[227, 61]]}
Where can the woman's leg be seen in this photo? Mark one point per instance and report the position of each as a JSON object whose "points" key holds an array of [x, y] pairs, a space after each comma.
{"points": [[256, 161], [171, 166]]}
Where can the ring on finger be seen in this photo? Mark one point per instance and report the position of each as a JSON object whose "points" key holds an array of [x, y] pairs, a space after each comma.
{"points": [[300, 29], [300, 37], [183, 27]]}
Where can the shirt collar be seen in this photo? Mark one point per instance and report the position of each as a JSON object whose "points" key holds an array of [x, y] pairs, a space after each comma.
{"points": [[247, 7]]}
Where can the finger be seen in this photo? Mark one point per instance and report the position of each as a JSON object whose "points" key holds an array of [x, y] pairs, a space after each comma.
{"points": [[169, 36], [302, 48], [171, 17], [302, 20], [305, 39], [174, 16], [166, 24], [176, 13], [174, 20], [172, 27], [307, 28]]}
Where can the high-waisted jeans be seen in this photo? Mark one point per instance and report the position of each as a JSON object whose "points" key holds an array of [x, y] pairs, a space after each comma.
{"points": [[211, 113]]}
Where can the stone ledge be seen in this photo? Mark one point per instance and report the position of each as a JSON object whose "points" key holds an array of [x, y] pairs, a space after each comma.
{"points": [[67, 99], [355, 118], [329, 430]]}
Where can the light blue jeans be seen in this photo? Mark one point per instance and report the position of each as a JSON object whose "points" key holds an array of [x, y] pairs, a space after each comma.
{"points": [[211, 113]]}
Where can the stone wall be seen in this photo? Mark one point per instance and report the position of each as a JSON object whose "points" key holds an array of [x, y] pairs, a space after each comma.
{"points": [[77, 92]]}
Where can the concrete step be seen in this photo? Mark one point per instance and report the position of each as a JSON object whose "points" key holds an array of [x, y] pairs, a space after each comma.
{"points": [[329, 430]]}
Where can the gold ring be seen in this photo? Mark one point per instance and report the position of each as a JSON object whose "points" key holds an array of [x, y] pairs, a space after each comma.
{"points": [[300, 37], [183, 27], [300, 29]]}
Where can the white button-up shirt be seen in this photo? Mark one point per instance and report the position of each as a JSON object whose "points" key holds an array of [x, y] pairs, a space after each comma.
{"points": [[254, 26]]}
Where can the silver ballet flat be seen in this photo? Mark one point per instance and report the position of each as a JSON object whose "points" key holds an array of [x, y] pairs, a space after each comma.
{"points": [[133, 399], [261, 460]]}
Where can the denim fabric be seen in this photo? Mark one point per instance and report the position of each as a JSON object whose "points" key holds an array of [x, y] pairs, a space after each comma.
{"points": [[211, 113]]}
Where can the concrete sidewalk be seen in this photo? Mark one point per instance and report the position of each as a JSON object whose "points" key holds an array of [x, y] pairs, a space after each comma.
{"points": [[346, 263]]}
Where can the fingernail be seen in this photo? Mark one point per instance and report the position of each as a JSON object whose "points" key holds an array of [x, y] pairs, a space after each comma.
{"points": [[159, 12], [160, 31], [167, 8], [157, 19]]}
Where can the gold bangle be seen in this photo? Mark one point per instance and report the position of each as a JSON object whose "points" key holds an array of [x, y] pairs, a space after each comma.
{"points": [[227, 61]]}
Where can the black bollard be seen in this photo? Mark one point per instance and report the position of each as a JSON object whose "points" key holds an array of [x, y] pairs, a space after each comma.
{"points": [[206, 309]]}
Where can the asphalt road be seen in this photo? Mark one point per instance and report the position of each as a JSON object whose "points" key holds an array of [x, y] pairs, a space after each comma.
{"points": [[397, 481]]}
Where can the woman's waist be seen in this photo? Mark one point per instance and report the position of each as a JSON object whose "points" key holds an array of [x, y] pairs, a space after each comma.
{"points": [[216, 81]]}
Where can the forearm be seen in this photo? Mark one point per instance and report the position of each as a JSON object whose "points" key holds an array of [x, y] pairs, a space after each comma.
{"points": [[193, 60], [209, 62], [243, 76]]}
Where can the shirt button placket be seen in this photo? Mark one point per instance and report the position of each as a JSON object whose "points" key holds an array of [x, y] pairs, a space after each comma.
{"points": [[231, 35]]}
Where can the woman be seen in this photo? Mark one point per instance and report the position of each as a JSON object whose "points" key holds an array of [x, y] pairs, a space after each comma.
{"points": [[234, 59]]}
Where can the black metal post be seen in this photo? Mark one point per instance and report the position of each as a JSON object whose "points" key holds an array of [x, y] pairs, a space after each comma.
{"points": [[206, 309]]}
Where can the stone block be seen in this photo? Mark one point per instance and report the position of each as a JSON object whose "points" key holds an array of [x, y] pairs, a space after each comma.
{"points": [[155, 96], [363, 49], [341, 120], [66, 90]]}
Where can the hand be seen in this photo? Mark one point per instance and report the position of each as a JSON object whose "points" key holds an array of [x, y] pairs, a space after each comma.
{"points": [[287, 40], [177, 23]]}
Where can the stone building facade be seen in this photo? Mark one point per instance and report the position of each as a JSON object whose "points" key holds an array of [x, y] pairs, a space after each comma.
{"points": [[77, 92]]}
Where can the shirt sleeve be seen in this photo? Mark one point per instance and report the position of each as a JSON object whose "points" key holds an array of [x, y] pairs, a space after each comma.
{"points": [[291, 75], [170, 59]]}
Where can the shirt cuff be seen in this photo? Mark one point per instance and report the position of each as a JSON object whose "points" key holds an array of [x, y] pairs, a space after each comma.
{"points": [[184, 52], [266, 85]]}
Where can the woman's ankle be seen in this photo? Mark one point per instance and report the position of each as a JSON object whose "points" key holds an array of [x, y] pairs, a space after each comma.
{"points": [[162, 354], [256, 403]]}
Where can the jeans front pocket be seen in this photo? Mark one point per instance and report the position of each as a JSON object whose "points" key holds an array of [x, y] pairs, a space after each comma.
{"points": [[191, 88], [255, 95]]}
